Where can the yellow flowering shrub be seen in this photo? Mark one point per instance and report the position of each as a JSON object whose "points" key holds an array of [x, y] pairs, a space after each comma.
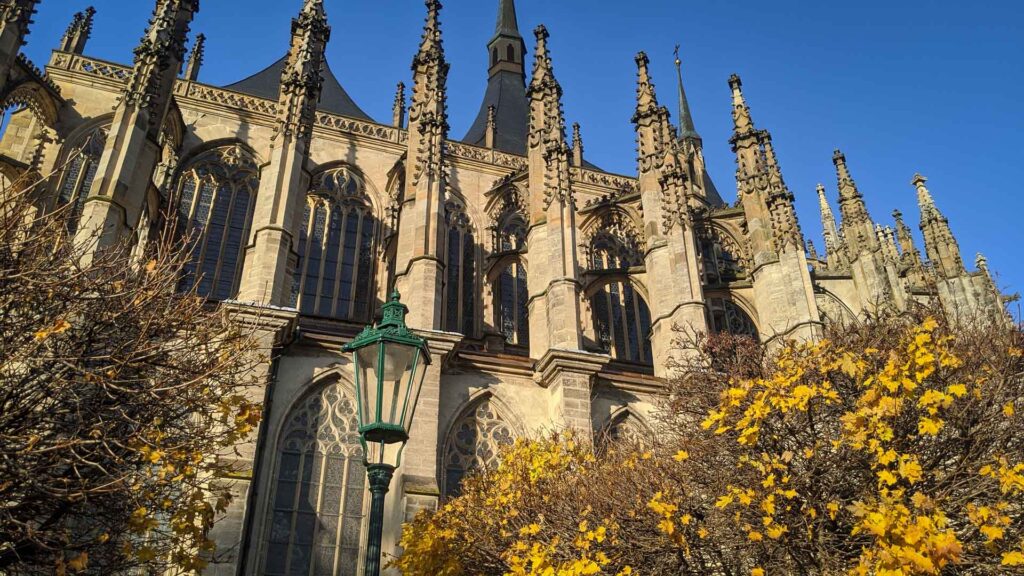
{"points": [[891, 448]]}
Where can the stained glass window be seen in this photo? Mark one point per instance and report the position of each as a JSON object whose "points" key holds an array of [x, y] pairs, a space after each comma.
{"points": [[216, 197], [512, 295], [474, 444], [317, 505], [622, 322], [460, 279], [77, 177], [336, 249], [722, 257], [726, 316]]}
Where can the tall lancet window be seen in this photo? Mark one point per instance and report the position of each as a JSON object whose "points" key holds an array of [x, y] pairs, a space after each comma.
{"points": [[460, 277], [622, 319], [318, 502], [511, 293], [216, 197], [337, 244], [77, 177]]}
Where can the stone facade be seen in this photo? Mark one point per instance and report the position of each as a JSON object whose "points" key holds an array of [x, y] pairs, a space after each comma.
{"points": [[551, 292]]}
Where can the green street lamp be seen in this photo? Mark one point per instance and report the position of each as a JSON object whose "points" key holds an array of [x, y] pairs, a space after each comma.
{"points": [[389, 363]]}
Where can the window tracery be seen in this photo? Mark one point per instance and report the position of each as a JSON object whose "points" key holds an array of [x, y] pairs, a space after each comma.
{"points": [[78, 175], [626, 429], [728, 317], [722, 257], [622, 322], [460, 284], [473, 443], [317, 505], [615, 244], [216, 197], [337, 243]]}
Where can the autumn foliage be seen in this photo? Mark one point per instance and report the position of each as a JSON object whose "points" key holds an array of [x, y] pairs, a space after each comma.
{"points": [[893, 447], [119, 397]]}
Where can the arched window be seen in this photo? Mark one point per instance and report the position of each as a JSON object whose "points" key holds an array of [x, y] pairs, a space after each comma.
{"points": [[722, 256], [76, 179], [511, 53], [512, 295], [615, 243], [627, 429], [726, 316], [494, 56], [460, 284], [217, 193], [622, 322], [317, 504], [336, 248], [473, 444]]}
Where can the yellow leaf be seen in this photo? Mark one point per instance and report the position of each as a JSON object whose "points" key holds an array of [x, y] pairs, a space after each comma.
{"points": [[929, 426], [757, 572], [80, 562], [958, 390], [681, 455], [1014, 558], [151, 266], [887, 477], [1008, 410]]}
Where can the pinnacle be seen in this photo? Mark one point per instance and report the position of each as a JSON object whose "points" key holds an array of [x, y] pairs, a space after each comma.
{"points": [[686, 126]]}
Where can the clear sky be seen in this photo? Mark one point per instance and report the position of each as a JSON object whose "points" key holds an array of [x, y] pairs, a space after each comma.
{"points": [[901, 86]]}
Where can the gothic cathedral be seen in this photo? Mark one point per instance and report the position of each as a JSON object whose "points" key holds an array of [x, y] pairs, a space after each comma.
{"points": [[550, 291]]}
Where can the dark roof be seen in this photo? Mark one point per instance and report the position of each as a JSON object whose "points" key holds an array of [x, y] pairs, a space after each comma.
{"points": [[506, 91], [333, 97], [711, 192], [508, 23]]}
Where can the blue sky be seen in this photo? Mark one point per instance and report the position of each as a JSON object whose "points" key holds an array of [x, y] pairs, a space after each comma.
{"points": [[901, 86]]}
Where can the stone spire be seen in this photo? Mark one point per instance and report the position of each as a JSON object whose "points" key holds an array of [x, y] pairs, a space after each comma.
{"points": [[398, 109], [269, 263], [125, 171], [772, 230], [419, 268], [78, 32], [552, 211], [940, 244], [767, 201], [195, 59], [577, 145], [887, 243], [687, 131], [15, 18], [833, 245], [858, 229]]}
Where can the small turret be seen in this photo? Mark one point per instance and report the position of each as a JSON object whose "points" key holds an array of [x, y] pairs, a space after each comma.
{"points": [[939, 243], [78, 32], [398, 109], [687, 131], [195, 59], [833, 244], [577, 145], [858, 228]]}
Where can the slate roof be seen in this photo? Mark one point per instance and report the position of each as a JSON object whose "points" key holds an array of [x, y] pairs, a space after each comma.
{"points": [[507, 93], [333, 98]]}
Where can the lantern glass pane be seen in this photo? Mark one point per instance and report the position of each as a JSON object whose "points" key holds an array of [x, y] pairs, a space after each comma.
{"points": [[416, 384], [397, 363], [366, 373]]}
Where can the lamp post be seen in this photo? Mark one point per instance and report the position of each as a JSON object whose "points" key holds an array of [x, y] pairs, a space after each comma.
{"points": [[389, 362]]}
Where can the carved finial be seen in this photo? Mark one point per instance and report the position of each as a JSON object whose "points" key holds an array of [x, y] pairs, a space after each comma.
{"points": [[541, 59], [742, 122], [981, 262], [812, 252], [646, 99], [398, 110], [577, 145], [78, 32], [431, 39], [164, 42], [195, 59], [924, 197], [492, 127]]}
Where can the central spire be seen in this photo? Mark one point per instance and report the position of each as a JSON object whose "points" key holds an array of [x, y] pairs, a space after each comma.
{"points": [[506, 87], [686, 127]]}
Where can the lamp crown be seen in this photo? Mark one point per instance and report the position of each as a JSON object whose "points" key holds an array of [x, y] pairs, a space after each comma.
{"points": [[393, 312]]}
